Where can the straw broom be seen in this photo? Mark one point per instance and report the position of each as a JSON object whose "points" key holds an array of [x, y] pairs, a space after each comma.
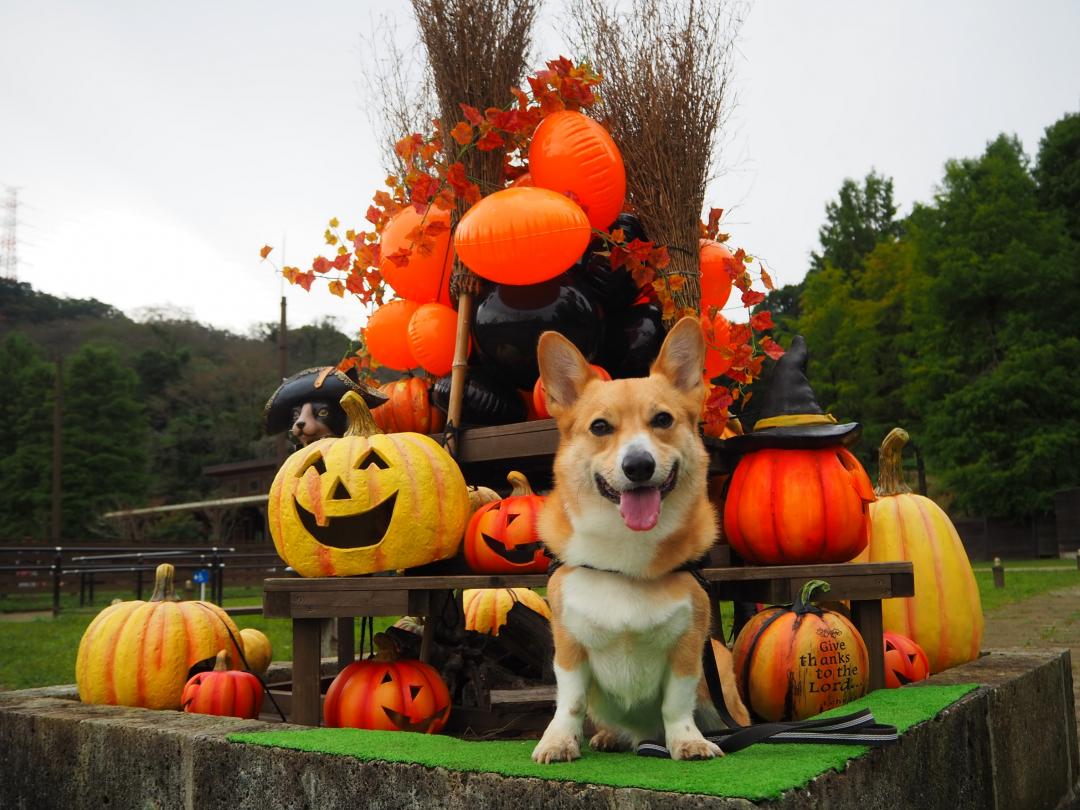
{"points": [[477, 50], [666, 93]]}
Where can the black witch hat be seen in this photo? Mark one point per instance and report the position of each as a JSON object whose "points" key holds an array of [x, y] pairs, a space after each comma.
{"points": [[324, 383], [790, 416]]}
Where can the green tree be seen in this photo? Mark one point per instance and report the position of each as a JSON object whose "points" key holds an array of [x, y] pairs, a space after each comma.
{"points": [[855, 222], [105, 462], [26, 411], [1057, 171]]}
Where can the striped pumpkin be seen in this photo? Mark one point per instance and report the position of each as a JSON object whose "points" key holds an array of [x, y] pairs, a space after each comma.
{"points": [[257, 650], [486, 608], [409, 408], [367, 502], [944, 617], [139, 653], [223, 691], [794, 662], [385, 694]]}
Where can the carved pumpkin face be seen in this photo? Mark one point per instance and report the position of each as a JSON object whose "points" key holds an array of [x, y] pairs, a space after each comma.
{"points": [[388, 696], [905, 661], [367, 503], [502, 538]]}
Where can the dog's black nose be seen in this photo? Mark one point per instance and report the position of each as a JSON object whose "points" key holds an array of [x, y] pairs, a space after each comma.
{"points": [[638, 466], [298, 426]]}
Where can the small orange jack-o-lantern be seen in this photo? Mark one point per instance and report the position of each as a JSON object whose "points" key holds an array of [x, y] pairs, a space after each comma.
{"points": [[905, 661], [501, 537], [385, 694], [223, 691], [367, 502]]}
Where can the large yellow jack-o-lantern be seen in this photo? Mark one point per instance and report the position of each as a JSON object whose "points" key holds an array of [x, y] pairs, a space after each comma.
{"points": [[367, 502]]}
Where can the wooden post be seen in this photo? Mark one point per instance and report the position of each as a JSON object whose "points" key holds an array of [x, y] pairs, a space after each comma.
{"points": [[305, 677], [459, 371], [999, 573], [866, 614]]}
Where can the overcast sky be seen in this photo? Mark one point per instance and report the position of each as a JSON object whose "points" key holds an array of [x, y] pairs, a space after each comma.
{"points": [[157, 146]]}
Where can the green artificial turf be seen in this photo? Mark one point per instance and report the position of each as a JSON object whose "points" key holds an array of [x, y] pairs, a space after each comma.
{"points": [[762, 771]]}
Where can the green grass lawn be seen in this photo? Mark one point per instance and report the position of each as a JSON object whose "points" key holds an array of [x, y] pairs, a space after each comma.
{"points": [[41, 651]]}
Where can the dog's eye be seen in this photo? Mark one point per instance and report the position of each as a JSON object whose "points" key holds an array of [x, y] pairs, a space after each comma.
{"points": [[323, 413], [601, 427], [662, 420]]}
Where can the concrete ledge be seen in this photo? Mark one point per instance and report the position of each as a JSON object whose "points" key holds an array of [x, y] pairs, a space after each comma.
{"points": [[1011, 744]]}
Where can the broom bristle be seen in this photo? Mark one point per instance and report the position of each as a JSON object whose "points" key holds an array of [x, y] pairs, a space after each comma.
{"points": [[666, 93]]}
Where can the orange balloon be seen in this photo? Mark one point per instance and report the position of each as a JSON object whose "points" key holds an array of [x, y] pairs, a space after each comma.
{"points": [[719, 335], [524, 180], [714, 260], [432, 330], [571, 152], [387, 334], [522, 235], [426, 277]]}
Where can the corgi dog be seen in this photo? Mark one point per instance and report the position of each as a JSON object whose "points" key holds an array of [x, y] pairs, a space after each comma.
{"points": [[628, 510]]}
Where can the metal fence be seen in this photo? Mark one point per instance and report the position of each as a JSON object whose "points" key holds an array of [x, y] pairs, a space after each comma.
{"points": [[27, 567]]}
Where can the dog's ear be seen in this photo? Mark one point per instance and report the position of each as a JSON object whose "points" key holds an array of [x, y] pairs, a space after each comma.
{"points": [[563, 369], [682, 357]]}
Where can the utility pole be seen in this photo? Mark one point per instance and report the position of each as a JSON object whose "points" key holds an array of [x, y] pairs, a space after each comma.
{"points": [[57, 450], [281, 447], [9, 245]]}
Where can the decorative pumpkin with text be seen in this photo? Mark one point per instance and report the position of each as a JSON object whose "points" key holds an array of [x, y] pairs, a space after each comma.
{"points": [[385, 694], [794, 662], [944, 617], [486, 608], [409, 408], [367, 502], [501, 537], [223, 691], [139, 653], [905, 661], [789, 506], [257, 650]]}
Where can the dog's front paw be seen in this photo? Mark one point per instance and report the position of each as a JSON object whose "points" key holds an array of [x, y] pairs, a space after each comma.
{"points": [[607, 739], [694, 749], [556, 748]]}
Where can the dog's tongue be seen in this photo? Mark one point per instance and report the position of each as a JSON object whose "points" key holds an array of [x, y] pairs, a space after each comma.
{"points": [[640, 508]]}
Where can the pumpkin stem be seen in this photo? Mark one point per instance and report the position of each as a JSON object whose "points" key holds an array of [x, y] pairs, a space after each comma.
{"points": [[802, 603], [361, 422], [222, 662], [890, 464], [163, 584], [520, 484]]}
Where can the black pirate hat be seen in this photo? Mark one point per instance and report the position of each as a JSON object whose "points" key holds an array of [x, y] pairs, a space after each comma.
{"points": [[321, 383], [790, 416]]}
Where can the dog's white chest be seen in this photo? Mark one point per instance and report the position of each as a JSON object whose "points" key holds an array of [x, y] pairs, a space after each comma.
{"points": [[629, 628]]}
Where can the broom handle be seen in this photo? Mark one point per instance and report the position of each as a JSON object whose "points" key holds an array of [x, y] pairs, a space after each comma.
{"points": [[459, 370]]}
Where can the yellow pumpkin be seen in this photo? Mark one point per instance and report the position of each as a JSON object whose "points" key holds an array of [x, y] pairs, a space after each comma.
{"points": [[257, 649], [944, 617], [486, 608], [139, 653], [367, 502]]}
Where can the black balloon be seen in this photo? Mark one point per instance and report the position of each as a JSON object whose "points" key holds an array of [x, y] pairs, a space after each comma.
{"points": [[632, 341], [486, 399], [510, 318], [616, 288]]}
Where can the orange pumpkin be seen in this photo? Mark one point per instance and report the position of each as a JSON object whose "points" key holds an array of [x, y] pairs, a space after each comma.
{"points": [[571, 153], [794, 662], [501, 536], [539, 397], [409, 409], [257, 650], [905, 661], [718, 354], [522, 235], [486, 608], [432, 332], [223, 691], [798, 506], [387, 335], [425, 277], [714, 261], [385, 694]]}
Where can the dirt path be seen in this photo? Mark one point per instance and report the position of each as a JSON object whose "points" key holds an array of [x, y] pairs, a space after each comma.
{"points": [[1048, 620]]}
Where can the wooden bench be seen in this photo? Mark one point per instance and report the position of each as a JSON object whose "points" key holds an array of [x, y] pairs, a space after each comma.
{"points": [[307, 601]]}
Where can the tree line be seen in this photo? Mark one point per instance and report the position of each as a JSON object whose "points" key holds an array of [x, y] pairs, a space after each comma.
{"points": [[959, 322]]}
